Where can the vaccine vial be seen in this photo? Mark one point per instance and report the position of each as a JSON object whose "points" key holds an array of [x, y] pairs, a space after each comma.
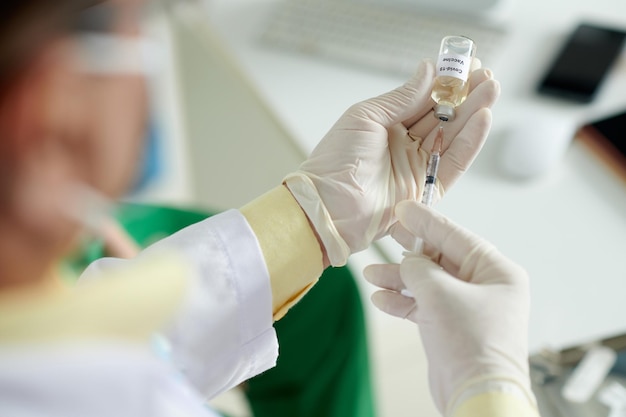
{"points": [[452, 72]]}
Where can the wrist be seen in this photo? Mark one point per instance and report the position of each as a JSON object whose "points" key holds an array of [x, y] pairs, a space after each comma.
{"points": [[304, 191], [494, 384], [291, 251], [325, 260]]}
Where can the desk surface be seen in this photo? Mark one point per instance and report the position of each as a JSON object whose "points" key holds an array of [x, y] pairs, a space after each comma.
{"points": [[568, 228]]}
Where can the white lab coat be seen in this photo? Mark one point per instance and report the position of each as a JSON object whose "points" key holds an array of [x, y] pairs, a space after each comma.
{"points": [[222, 336]]}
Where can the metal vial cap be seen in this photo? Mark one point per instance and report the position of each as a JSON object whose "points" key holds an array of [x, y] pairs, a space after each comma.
{"points": [[444, 112]]}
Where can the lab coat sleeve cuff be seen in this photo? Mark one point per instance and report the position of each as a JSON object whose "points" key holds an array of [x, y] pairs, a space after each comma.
{"points": [[495, 404], [291, 250], [494, 396], [305, 192]]}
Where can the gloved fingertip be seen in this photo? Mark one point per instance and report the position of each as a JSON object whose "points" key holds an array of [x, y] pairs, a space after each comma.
{"points": [[395, 304], [386, 301], [403, 208], [488, 92], [424, 62], [426, 67], [497, 87], [413, 261], [379, 299], [381, 274], [412, 269], [407, 211], [483, 118], [476, 64], [368, 272]]}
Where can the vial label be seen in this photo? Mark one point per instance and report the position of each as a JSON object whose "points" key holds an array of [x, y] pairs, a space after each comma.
{"points": [[454, 65]]}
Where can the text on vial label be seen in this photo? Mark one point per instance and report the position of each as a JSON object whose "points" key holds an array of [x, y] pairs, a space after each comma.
{"points": [[453, 65]]}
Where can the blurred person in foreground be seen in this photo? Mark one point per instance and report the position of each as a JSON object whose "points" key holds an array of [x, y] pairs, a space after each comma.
{"points": [[72, 115]]}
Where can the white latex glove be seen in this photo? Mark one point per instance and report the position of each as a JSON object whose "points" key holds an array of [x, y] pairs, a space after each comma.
{"points": [[471, 305], [376, 155]]}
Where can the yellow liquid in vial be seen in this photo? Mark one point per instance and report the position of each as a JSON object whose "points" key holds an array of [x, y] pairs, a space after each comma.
{"points": [[449, 90]]}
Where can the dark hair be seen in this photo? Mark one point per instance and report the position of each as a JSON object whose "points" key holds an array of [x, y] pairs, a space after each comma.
{"points": [[25, 26]]}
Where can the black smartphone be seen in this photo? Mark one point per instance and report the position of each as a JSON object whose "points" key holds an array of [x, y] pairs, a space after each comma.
{"points": [[583, 62]]}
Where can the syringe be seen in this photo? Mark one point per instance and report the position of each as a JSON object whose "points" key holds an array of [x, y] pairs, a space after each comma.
{"points": [[429, 190], [432, 168]]}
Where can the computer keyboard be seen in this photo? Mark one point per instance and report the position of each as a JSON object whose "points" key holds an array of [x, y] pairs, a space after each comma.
{"points": [[371, 36]]}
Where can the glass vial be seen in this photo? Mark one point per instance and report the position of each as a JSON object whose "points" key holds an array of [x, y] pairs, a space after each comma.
{"points": [[453, 67]]}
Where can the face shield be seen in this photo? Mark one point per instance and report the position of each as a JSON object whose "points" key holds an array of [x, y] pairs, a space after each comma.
{"points": [[106, 51]]}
